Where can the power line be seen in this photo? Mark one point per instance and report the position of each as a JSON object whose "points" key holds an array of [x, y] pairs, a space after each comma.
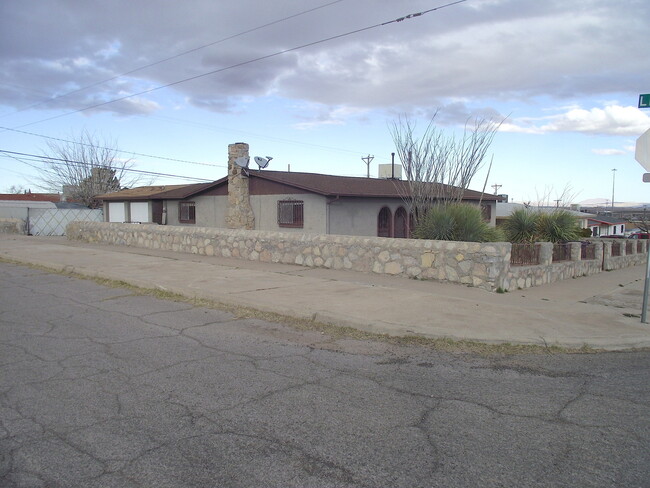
{"points": [[244, 63], [117, 150], [46, 159], [255, 135], [164, 60]]}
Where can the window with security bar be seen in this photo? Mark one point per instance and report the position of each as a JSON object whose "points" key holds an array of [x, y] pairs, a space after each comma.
{"points": [[187, 213], [290, 213]]}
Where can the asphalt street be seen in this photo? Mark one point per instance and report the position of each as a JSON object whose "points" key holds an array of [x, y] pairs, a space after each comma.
{"points": [[101, 387]]}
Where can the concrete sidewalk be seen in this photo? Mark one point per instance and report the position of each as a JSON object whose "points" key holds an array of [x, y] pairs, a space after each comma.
{"points": [[600, 311]]}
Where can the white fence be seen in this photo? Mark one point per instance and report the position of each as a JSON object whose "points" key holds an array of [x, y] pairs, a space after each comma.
{"points": [[52, 221]]}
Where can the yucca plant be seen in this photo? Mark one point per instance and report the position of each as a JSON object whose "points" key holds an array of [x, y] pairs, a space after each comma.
{"points": [[557, 226], [455, 222], [521, 226], [525, 225]]}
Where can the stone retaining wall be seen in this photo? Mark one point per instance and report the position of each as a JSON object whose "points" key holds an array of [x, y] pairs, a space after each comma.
{"points": [[476, 264], [549, 272], [483, 265], [12, 226]]}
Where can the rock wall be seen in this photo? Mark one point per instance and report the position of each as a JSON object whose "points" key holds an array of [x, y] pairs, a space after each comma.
{"points": [[483, 265], [476, 264], [240, 213], [12, 226]]}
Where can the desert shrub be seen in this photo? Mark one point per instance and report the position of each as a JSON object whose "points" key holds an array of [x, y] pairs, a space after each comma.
{"points": [[557, 226], [525, 225], [521, 226], [456, 222]]}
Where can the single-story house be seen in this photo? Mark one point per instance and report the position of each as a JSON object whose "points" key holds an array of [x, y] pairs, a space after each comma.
{"points": [[602, 225], [278, 201]]}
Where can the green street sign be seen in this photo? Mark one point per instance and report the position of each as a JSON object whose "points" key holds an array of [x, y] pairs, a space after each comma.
{"points": [[644, 101]]}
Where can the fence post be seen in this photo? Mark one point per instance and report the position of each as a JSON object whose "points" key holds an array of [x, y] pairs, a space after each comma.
{"points": [[545, 253], [575, 249]]}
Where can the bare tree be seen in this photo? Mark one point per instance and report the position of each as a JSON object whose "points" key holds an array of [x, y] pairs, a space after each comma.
{"points": [[84, 167], [439, 167], [562, 199], [16, 189]]}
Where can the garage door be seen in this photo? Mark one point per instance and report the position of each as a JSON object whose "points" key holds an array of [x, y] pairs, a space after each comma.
{"points": [[116, 212], [140, 212]]}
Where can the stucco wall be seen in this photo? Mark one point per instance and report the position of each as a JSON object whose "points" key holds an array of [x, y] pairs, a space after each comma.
{"points": [[358, 216], [265, 208]]}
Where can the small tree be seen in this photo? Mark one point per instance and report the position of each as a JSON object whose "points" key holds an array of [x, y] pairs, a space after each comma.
{"points": [[439, 167], [83, 168]]}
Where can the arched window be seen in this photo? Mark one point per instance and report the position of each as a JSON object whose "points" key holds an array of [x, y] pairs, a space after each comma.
{"points": [[384, 223], [401, 223]]}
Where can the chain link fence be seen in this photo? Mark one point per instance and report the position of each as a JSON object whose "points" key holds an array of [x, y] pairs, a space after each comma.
{"points": [[52, 221]]}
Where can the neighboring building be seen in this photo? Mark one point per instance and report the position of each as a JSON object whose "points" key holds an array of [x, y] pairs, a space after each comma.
{"points": [[278, 201], [504, 210], [602, 225], [44, 213]]}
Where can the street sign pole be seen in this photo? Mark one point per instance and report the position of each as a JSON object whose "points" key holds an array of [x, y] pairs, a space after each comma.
{"points": [[642, 155], [646, 287]]}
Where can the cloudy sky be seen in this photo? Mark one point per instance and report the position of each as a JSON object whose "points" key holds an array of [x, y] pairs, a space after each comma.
{"points": [[316, 83]]}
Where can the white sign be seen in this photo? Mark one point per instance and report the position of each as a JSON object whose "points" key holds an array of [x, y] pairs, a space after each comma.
{"points": [[642, 154]]}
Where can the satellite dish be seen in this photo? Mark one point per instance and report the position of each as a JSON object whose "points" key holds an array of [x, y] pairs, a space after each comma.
{"points": [[242, 161], [263, 162]]}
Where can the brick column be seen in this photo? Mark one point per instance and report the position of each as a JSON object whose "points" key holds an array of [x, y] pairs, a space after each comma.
{"points": [[240, 213]]}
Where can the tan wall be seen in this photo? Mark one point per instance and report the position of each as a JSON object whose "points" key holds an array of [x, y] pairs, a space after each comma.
{"points": [[265, 208], [358, 216]]}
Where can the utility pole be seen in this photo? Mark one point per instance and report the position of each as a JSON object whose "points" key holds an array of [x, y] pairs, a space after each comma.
{"points": [[613, 186], [367, 160], [496, 188]]}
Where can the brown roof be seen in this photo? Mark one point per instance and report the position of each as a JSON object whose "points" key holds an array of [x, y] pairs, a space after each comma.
{"points": [[156, 192], [349, 186], [327, 185], [31, 197]]}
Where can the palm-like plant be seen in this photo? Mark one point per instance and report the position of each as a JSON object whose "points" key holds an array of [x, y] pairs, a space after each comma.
{"points": [[521, 226], [456, 222], [557, 226], [525, 225]]}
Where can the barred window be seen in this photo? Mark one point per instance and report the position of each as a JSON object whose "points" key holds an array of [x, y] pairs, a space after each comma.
{"points": [[187, 213], [290, 213]]}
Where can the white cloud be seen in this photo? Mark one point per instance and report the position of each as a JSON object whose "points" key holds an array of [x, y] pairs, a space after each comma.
{"points": [[610, 120], [608, 152], [314, 115]]}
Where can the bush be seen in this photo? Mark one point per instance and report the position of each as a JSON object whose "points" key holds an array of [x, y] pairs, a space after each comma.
{"points": [[558, 226], [456, 222], [521, 226], [525, 225]]}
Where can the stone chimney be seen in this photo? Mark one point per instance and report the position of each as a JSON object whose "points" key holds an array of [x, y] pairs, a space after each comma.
{"points": [[240, 213]]}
